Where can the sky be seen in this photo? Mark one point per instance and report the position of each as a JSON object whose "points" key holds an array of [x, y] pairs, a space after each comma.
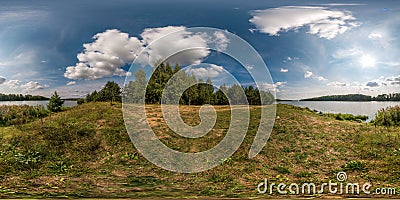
{"points": [[311, 48]]}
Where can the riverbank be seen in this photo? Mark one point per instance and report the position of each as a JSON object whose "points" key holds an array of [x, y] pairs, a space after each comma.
{"points": [[86, 152]]}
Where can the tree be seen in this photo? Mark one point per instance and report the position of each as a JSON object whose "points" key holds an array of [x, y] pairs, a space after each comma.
{"points": [[197, 91], [220, 98], [111, 92], [55, 104], [134, 91]]}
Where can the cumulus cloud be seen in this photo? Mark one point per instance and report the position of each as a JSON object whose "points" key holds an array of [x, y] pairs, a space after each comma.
{"points": [[321, 21], [33, 85], [2, 80], [71, 83], [105, 56], [220, 40], [206, 72], [337, 84], [394, 80], [283, 70], [14, 84], [321, 78], [171, 47], [308, 74], [27, 87], [114, 49]]}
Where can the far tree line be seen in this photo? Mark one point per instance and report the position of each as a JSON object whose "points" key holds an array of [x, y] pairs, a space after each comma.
{"points": [[21, 97], [198, 91], [357, 97]]}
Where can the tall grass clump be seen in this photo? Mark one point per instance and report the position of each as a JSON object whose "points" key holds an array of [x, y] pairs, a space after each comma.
{"points": [[16, 115], [388, 117]]}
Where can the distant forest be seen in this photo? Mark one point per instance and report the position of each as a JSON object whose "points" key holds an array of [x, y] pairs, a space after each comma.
{"points": [[356, 97], [201, 92], [21, 97]]}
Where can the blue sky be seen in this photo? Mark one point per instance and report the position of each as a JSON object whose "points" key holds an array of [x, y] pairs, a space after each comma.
{"points": [[311, 48]]}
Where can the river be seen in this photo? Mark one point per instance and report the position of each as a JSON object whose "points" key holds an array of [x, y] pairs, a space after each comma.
{"points": [[35, 103], [369, 108]]}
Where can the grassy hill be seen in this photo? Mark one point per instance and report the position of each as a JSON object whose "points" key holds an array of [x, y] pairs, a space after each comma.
{"points": [[86, 152]]}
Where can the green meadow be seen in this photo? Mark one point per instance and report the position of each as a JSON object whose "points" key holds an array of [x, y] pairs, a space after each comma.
{"points": [[85, 151]]}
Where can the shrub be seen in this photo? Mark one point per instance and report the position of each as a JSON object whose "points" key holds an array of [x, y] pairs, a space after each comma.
{"points": [[17, 115], [28, 160], [354, 166], [389, 116], [346, 117]]}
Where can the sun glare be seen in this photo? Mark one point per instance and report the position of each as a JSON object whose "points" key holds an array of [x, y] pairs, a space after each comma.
{"points": [[367, 61]]}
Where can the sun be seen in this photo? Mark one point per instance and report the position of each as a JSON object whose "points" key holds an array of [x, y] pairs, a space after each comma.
{"points": [[367, 61]]}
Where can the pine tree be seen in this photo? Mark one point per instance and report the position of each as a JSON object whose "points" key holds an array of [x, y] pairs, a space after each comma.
{"points": [[55, 104]]}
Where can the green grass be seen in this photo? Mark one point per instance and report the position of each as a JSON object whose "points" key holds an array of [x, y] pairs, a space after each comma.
{"points": [[86, 152]]}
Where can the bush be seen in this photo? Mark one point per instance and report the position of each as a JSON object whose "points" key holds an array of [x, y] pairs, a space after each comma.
{"points": [[389, 116], [80, 101], [28, 160], [354, 166]]}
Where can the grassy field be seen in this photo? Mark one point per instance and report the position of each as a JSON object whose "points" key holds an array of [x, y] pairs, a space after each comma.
{"points": [[86, 152]]}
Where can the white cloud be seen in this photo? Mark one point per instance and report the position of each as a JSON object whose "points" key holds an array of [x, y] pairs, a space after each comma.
{"points": [[2, 80], [308, 74], [32, 85], [174, 44], [321, 78], [394, 80], [337, 84], [105, 56], [276, 86], [206, 72], [71, 83], [221, 41], [283, 70], [249, 67], [12, 83], [321, 21], [375, 36], [27, 87], [114, 49]]}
